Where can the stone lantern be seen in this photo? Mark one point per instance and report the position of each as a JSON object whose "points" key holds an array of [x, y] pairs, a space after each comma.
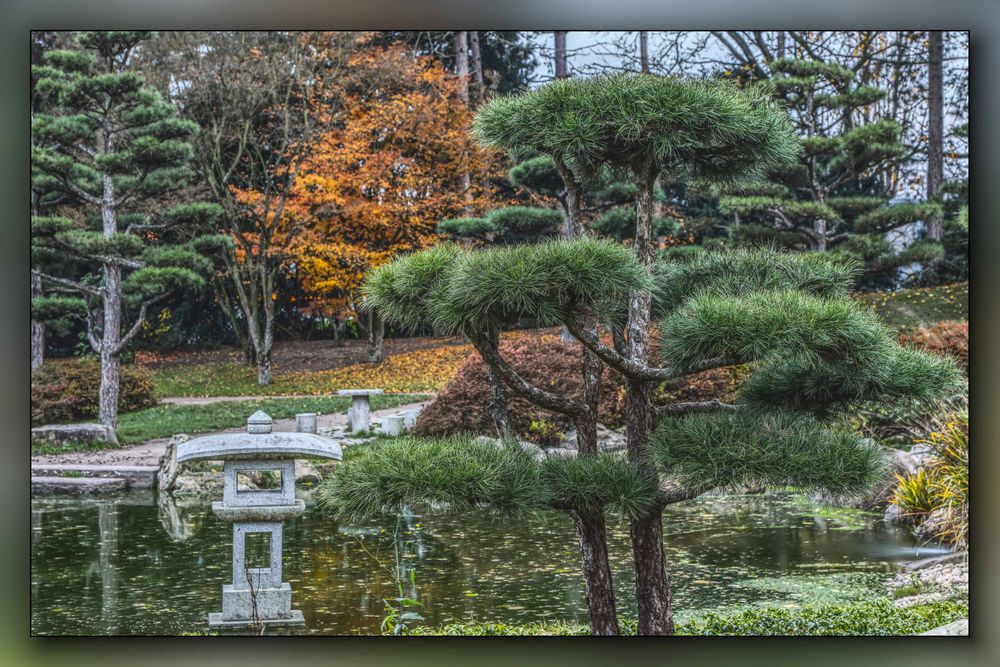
{"points": [[257, 594]]}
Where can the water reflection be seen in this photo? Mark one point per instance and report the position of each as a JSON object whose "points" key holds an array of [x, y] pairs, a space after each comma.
{"points": [[138, 564]]}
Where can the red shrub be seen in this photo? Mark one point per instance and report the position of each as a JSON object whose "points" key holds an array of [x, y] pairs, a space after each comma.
{"points": [[545, 361], [66, 390], [948, 338], [720, 383]]}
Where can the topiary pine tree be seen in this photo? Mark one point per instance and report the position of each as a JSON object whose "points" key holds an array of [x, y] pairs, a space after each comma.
{"points": [[512, 224], [608, 206], [111, 143], [814, 351], [790, 315], [836, 196]]}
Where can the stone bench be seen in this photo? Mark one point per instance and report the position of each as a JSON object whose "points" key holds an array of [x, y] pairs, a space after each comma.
{"points": [[359, 414]]}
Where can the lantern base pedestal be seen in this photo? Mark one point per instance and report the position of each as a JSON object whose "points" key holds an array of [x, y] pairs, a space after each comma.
{"points": [[273, 607], [296, 618]]}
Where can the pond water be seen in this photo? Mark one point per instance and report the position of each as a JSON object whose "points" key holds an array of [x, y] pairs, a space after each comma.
{"points": [[138, 565]]}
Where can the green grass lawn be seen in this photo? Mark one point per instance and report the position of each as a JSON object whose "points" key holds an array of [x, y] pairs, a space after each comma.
{"points": [[908, 308], [877, 618], [224, 379], [164, 421]]}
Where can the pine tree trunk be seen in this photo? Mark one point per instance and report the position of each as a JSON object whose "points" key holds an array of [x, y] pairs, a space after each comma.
{"points": [[819, 227], [110, 371], [376, 332], [600, 592], [652, 585], [590, 526], [935, 125], [110, 387], [107, 409], [652, 581], [572, 222], [37, 328], [562, 69]]}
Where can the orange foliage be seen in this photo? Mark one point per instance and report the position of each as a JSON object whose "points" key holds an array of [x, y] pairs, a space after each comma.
{"points": [[379, 181], [947, 338]]}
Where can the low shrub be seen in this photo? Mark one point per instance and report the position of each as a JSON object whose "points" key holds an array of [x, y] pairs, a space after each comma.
{"points": [[947, 338], [878, 618], [66, 390], [545, 361]]}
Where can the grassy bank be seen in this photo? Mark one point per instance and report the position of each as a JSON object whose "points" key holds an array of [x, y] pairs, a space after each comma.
{"points": [[909, 308], [879, 618]]}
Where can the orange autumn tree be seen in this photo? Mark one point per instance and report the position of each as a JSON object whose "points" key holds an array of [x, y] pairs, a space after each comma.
{"points": [[378, 181], [261, 99]]}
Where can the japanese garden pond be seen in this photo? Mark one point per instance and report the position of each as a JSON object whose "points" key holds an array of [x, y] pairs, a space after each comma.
{"points": [[134, 565]]}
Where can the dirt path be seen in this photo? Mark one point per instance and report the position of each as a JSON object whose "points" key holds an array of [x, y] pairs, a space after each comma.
{"points": [[149, 453], [208, 400]]}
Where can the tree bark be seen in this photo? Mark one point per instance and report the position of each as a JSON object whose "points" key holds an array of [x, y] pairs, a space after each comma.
{"points": [[339, 332], [562, 69], [37, 328], [477, 65], [935, 124], [107, 411], [264, 377], [111, 335], [462, 74], [819, 228], [644, 51], [652, 585], [376, 332], [498, 405], [573, 220], [600, 592], [652, 581], [590, 526], [462, 64], [498, 394]]}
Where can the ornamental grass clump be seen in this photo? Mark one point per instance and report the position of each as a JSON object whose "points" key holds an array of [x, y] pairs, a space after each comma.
{"points": [[938, 493]]}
